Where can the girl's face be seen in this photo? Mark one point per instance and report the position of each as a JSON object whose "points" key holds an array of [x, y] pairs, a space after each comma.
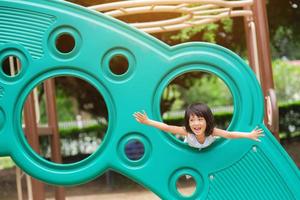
{"points": [[197, 124]]}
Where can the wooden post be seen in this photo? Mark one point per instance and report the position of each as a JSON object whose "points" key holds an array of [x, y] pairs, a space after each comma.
{"points": [[31, 132], [265, 65], [53, 125]]}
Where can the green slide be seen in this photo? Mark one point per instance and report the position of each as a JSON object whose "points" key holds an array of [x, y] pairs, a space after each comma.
{"points": [[228, 169]]}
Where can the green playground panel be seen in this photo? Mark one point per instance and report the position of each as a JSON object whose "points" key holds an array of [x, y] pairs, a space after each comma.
{"points": [[228, 169]]}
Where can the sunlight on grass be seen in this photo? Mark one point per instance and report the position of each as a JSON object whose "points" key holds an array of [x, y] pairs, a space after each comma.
{"points": [[292, 135], [6, 162]]}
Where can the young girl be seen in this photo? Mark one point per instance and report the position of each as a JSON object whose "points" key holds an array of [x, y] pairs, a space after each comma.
{"points": [[199, 127]]}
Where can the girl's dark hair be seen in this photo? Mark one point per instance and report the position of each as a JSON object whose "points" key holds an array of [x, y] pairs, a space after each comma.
{"points": [[200, 110]]}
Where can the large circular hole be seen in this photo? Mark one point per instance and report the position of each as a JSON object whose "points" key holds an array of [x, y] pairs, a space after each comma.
{"points": [[196, 87], [134, 150], [81, 115], [11, 65], [118, 64], [65, 43], [186, 185]]}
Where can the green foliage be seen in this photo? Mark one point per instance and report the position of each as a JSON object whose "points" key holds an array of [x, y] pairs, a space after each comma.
{"points": [[207, 32], [287, 82], [206, 88], [95, 130], [227, 24], [284, 28], [6, 162], [283, 43], [289, 122], [65, 104], [209, 89]]}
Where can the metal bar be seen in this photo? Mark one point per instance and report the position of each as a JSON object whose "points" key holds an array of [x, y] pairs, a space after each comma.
{"points": [[29, 187], [249, 39], [255, 50], [19, 183], [126, 4], [147, 9], [196, 22]]}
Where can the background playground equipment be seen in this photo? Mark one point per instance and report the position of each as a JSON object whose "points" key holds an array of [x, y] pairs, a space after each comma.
{"points": [[31, 35], [200, 12], [192, 12]]}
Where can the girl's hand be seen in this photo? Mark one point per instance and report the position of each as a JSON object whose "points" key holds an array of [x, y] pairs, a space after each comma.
{"points": [[255, 134], [141, 117]]}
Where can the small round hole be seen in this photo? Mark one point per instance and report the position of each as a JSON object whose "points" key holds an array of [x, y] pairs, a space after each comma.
{"points": [[134, 150], [186, 185], [65, 43], [11, 66], [118, 64]]}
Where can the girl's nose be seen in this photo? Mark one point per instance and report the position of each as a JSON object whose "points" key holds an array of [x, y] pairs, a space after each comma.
{"points": [[197, 122]]}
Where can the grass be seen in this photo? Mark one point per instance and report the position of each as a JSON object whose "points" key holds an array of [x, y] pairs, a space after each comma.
{"points": [[6, 162]]}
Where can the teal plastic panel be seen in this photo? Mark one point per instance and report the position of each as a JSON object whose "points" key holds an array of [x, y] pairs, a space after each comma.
{"points": [[229, 169]]}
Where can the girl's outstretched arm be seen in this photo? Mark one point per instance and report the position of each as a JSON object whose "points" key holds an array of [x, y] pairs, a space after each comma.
{"points": [[253, 135], [143, 119]]}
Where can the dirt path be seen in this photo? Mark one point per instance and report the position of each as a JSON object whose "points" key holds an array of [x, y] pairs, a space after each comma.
{"points": [[126, 195], [143, 195]]}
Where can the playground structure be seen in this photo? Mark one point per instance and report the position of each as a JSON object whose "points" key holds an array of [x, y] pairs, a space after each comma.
{"points": [[256, 36], [208, 11]]}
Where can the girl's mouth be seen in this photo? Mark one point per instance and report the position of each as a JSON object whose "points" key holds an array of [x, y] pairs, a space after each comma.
{"points": [[197, 129]]}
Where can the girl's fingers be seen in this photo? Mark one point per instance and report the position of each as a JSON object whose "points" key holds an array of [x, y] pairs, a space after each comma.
{"points": [[139, 114], [140, 117], [258, 131]]}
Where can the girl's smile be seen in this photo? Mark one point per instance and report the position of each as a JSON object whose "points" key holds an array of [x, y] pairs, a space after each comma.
{"points": [[197, 124]]}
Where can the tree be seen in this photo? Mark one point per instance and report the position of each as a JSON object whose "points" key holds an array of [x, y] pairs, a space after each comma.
{"points": [[284, 28], [287, 82], [205, 87]]}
